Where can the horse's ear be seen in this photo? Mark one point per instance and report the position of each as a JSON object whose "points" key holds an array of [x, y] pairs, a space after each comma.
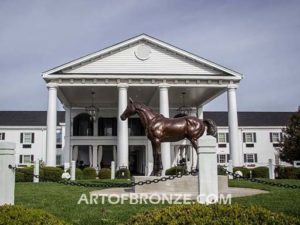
{"points": [[130, 100]]}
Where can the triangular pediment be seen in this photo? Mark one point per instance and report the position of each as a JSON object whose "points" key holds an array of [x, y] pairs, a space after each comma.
{"points": [[143, 55]]}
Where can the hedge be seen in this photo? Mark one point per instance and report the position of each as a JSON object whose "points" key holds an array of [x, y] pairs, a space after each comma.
{"points": [[176, 170], [89, 173], [289, 173], [211, 214], [19, 215], [104, 173], [123, 174], [244, 170], [23, 174], [49, 173], [260, 172]]}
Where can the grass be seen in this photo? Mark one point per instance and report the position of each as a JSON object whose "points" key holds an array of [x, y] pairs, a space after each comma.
{"points": [[61, 201]]}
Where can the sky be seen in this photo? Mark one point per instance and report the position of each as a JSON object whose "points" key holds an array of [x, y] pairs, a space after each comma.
{"points": [[260, 39]]}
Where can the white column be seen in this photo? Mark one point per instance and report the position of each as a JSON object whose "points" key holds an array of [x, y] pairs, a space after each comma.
{"points": [[7, 175], [99, 158], [200, 116], [67, 136], [36, 171], [271, 169], [164, 110], [51, 125], [73, 170], [95, 150], [122, 127], [233, 125], [208, 174]]}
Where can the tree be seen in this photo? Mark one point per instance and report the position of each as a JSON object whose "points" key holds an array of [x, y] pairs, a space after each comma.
{"points": [[290, 146]]}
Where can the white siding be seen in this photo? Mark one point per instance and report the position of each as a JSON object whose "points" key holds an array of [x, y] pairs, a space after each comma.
{"points": [[160, 62]]}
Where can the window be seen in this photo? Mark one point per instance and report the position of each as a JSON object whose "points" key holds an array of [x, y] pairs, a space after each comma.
{"points": [[2, 136], [58, 160], [275, 137], [223, 137], [107, 127], [26, 159], [223, 158], [135, 127], [249, 137], [58, 136], [27, 138], [250, 158]]}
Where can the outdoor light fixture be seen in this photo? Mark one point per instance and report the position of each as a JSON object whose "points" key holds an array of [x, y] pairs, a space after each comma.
{"points": [[184, 110], [92, 109]]}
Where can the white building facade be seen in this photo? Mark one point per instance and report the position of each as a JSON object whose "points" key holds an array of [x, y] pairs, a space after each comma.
{"points": [[94, 91]]}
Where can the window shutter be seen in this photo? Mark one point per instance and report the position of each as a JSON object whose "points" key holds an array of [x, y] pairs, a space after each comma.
{"points": [[271, 138], [21, 138], [245, 158], [217, 137], [281, 136], [32, 158], [218, 158], [227, 137], [255, 158], [228, 157], [20, 158], [254, 136], [3, 136], [32, 137], [244, 137]]}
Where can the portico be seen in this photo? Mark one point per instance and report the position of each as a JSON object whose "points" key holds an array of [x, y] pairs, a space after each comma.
{"points": [[147, 70]]}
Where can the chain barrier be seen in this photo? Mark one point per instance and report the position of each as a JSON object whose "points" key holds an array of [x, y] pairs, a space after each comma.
{"points": [[111, 185], [255, 180]]}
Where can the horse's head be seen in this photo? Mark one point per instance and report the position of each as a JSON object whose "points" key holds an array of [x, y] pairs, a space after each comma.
{"points": [[129, 111]]}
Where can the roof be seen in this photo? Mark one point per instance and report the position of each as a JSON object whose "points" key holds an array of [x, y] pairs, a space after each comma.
{"points": [[139, 38], [27, 118], [39, 118]]}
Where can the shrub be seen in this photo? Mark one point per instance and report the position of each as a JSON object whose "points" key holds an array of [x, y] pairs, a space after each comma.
{"points": [[244, 170], [19, 215], [50, 173], [104, 173], [289, 173], [260, 172], [24, 174], [123, 174], [89, 173], [211, 214], [78, 174], [221, 171], [176, 170]]}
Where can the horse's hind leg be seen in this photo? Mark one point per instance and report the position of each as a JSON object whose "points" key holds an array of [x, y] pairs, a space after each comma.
{"points": [[194, 143], [157, 164]]}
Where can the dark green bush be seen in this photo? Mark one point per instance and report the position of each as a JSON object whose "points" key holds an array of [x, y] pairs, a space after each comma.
{"points": [[221, 171], [104, 173], [175, 170], [260, 172], [78, 174], [24, 174], [89, 173], [211, 214], [123, 174], [19, 215], [244, 170], [289, 173], [49, 173]]}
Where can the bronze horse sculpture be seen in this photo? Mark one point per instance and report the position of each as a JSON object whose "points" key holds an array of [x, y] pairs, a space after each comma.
{"points": [[161, 129]]}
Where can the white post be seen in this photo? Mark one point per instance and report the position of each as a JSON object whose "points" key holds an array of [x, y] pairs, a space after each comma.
{"points": [[67, 144], [164, 110], [36, 171], [271, 169], [122, 127], [208, 174], [95, 150], [7, 175], [112, 169], [73, 170], [51, 125], [230, 169], [233, 125]]}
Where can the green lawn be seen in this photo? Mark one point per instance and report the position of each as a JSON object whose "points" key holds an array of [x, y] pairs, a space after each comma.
{"points": [[61, 201]]}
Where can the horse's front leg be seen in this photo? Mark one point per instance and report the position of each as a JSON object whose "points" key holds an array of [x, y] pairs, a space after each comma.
{"points": [[157, 164]]}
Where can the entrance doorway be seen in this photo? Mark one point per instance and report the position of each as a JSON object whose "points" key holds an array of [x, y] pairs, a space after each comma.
{"points": [[137, 159]]}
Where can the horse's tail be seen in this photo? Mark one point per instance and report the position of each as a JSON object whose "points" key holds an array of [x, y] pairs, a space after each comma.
{"points": [[211, 127]]}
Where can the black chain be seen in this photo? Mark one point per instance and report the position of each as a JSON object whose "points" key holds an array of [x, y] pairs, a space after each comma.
{"points": [[110, 185], [255, 180]]}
